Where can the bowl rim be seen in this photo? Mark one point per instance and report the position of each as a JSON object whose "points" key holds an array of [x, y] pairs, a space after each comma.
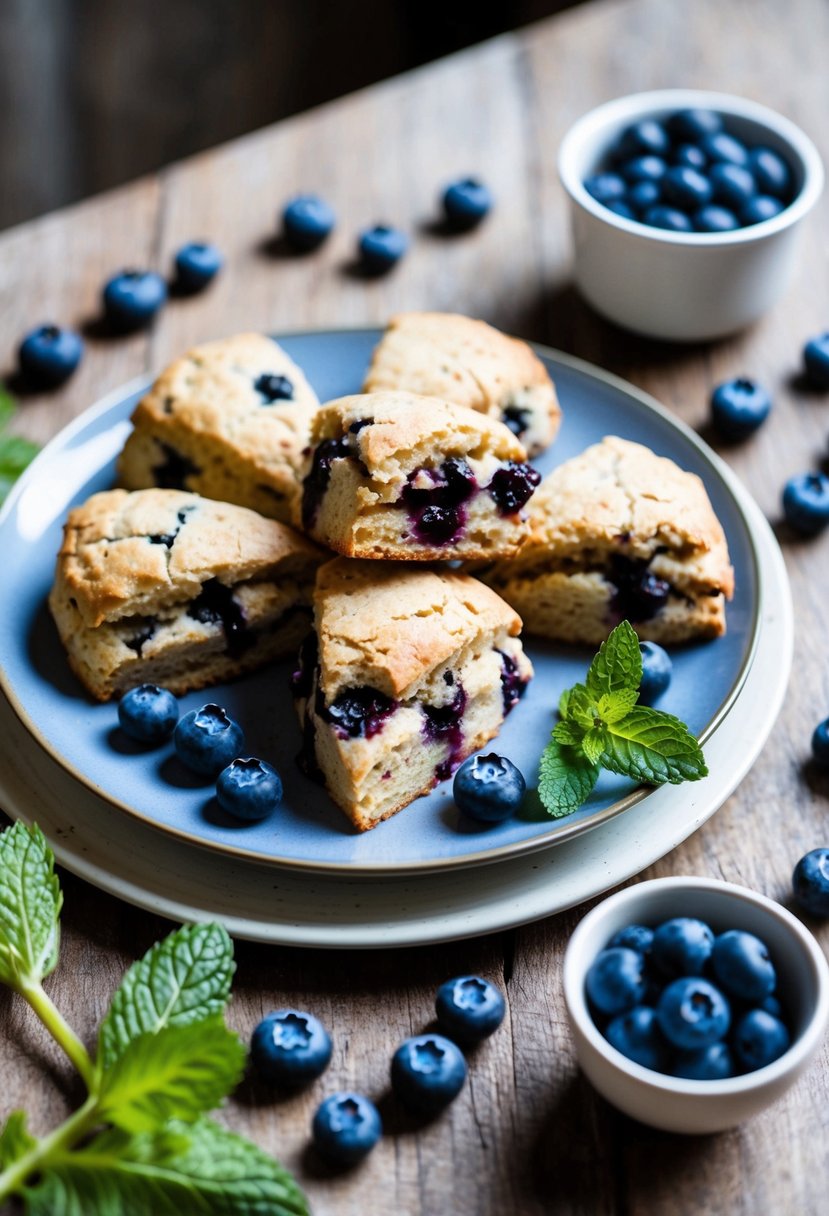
{"points": [[633, 106], [574, 970]]}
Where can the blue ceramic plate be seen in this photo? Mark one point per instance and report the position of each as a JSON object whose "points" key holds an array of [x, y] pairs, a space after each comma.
{"points": [[308, 831]]}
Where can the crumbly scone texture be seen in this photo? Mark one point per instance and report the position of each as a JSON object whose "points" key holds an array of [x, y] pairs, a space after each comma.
{"points": [[469, 363], [204, 426]]}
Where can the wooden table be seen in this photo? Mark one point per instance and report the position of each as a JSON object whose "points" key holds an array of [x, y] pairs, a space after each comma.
{"points": [[528, 1135]]}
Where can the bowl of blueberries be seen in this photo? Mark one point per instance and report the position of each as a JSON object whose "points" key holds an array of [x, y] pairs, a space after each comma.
{"points": [[686, 207], [694, 1003]]}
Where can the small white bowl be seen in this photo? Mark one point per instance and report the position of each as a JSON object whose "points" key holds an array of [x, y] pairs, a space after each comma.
{"points": [[673, 1103], [683, 286]]}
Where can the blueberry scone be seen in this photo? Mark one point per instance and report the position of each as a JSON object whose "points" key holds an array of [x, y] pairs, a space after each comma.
{"points": [[469, 363], [167, 587], [619, 532], [396, 475], [407, 672], [229, 420]]}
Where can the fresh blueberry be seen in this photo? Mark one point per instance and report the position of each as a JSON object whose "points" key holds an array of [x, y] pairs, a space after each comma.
{"points": [[721, 146], [820, 744], [667, 217], [466, 203], [48, 355], [427, 1073], [346, 1128], [605, 187], [643, 195], [488, 788], [810, 882], [633, 937], [733, 185], [148, 713], [714, 219], [132, 298], [469, 1008], [644, 169], [742, 967], [273, 387], [693, 125], [619, 207], [656, 672], [645, 138], [206, 740], [290, 1047], [770, 1004], [196, 264], [760, 208], [249, 789], [773, 174], [713, 1063], [686, 188], [806, 502], [615, 981], [682, 946], [739, 407], [381, 247], [690, 155], [816, 361], [759, 1038], [637, 1035], [693, 1013], [306, 222]]}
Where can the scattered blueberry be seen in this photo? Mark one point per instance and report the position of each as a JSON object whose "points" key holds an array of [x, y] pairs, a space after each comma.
{"points": [[713, 1063], [741, 965], [643, 195], [488, 788], [249, 789], [148, 713], [693, 1013], [806, 502], [760, 208], [714, 219], [759, 1038], [605, 187], [647, 137], [381, 247], [820, 744], [469, 1008], [634, 937], [616, 980], [427, 1073], [637, 1034], [346, 1128], [132, 298], [197, 263], [206, 740], [771, 1005], [644, 169], [272, 387], [739, 407], [810, 882], [290, 1047], [773, 175], [619, 207], [466, 203], [690, 155], [816, 360], [670, 218], [656, 672], [686, 188], [306, 221], [682, 946], [732, 185], [48, 355], [722, 147], [694, 125]]}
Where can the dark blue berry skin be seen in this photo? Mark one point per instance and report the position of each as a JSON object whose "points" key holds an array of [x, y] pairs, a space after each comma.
{"points": [[290, 1048], [656, 672], [686, 188], [667, 217], [346, 1128], [605, 187], [249, 789], [615, 981], [206, 740], [636, 1034], [427, 1073], [723, 147], [466, 203], [634, 937], [644, 169], [643, 195], [739, 407], [132, 298], [381, 247], [694, 125], [806, 502], [619, 207], [820, 744], [682, 946], [307, 221], [816, 361], [469, 1008], [693, 1013], [770, 1004], [714, 219], [759, 209], [810, 882], [645, 138], [713, 1063], [197, 263], [488, 788], [690, 155], [733, 185], [759, 1038], [741, 966], [48, 355], [773, 175], [148, 713]]}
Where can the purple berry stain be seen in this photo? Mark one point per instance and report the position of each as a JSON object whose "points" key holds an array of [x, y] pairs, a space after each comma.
{"points": [[513, 686], [442, 724]]}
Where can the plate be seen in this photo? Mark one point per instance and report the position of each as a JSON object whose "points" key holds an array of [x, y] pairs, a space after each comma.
{"points": [[309, 832]]}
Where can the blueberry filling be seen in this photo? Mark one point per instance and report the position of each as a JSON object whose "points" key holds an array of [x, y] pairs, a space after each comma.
{"points": [[216, 605], [517, 419], [513, 686], [357, 712], [449, 678], [145, 631], [442, 724], [357, 426], [174, 470], [302, 677], [640, 595], [272, 387], [512, 485], [436, 508], [167, 538], [316, 483]]}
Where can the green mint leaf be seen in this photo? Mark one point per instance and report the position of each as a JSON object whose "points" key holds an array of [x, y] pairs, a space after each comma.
{"points": [[565, 779], [181, 1072], [618, 664], [652, 746], [15, 1140], [8, 407], [581, 707], [30, 903], [564, 703], [187, 1169], [183, 979], [569, 733], [593, 744], [614, 706], [16, 454]]}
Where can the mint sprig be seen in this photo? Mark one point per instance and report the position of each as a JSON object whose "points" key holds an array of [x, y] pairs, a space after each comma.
{"points": [[602, 726], [16, 453]]}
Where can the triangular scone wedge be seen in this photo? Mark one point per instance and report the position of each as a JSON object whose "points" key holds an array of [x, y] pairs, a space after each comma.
{"points": [[469, 363], [165, 587], [408, 672], [615, 533], [229, 420]]}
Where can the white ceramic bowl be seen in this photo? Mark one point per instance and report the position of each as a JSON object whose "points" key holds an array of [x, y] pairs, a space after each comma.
{"points": [[682, 286], [673, 1103]]}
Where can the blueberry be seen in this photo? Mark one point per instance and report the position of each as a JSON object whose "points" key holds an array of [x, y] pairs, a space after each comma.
{"points": [[206, 740], [132, 298], [427, 1073], [619, 207], [686, 188], [714, 219], [643, 195], [806, 502], [713, 1063], [733, 185], [741, 965], [644, 169], [739, 407], [306, 221], [693, 1013], [346, 1128], [810, 882], [773, 174], [720, 146], [466, 203], [693, 125], [48, 355], [770, 1004], [290, 1047], [816, 361], [637, 1035], [760, 208], [656, 672], [690, 155], [820, 744], [667, 217], [647, 137], [197, 263], [512, 486], [633, 937], [469, 1008], [272, 387], [615, 981], [488, 788], [249, 789], [682, 946], [148, 713], [759, 1038], [381, 247], [605, 187]]}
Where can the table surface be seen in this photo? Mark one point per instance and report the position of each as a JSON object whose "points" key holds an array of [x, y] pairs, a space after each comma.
{"points": [[527, 1135]]}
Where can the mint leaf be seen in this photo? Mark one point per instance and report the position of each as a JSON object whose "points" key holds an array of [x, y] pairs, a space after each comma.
{"points": [[181, 980], [613, 706], [653, 746], [581, 707], [618, 665], [593, 744], [8, 407], [568, 733], [15, 1140], [30, 903], [565, 778], [16, 453]]}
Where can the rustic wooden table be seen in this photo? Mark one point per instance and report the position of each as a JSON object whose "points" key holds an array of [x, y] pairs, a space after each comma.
{"points": [[527, 1135]]}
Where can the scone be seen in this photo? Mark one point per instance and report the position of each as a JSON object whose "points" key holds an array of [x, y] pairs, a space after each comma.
{"points": [[229, 420], [469, 363], [395, 475], [408, 671], [616, 533], [170, 588]]}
